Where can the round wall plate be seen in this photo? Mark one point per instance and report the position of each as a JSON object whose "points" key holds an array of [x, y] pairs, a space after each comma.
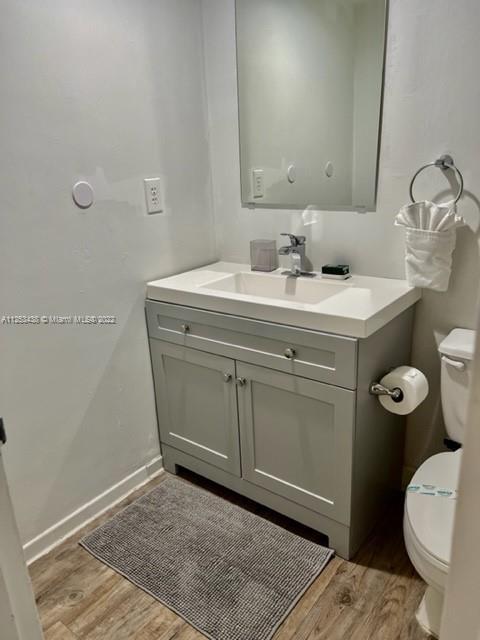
{"points": [[329, 169], [82, 193]]}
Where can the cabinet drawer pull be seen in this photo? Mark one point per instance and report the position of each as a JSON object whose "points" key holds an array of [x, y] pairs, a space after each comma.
{"points": [[185, 328], [241, 382], [227, 377], [290, 353]]}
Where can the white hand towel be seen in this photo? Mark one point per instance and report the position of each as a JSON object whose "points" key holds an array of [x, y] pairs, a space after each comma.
{"points": [[428, 258], [429, 242]]}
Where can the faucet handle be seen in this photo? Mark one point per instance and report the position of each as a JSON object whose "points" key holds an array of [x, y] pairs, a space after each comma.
{"points": [[296, 241]]}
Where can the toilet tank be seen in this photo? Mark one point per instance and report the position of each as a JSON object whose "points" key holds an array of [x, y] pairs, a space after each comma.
{"points": [[456, 352]]}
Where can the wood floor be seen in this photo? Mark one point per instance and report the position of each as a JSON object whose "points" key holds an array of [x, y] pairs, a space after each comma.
{"points": [[374, 597]]}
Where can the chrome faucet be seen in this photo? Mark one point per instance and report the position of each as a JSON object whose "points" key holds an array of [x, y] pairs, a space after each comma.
{"points": [[296, 251]]}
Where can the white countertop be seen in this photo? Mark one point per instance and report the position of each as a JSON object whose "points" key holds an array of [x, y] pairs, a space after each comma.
{"points": [[356, 307]]}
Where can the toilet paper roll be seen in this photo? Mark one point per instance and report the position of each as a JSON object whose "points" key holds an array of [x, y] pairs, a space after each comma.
{"points": [[413, 384]]}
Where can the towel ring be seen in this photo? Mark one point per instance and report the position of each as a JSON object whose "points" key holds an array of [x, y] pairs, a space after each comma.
{"points": [[444, 162]]}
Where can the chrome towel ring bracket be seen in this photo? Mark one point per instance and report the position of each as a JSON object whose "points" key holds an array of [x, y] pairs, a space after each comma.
{"points": [[444, 163]]}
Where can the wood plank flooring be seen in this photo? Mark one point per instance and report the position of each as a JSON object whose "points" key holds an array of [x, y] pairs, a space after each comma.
{"points": [[372, 598]]}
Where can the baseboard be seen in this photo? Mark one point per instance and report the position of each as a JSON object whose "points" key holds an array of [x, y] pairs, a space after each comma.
{"points": [[63, 529]]}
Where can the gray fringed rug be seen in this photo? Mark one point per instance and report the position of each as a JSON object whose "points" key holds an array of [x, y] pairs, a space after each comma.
{"points": [[229, 573]]}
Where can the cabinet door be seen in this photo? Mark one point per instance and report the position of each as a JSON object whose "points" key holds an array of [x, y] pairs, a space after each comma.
{"points": [[197, 403], [297, 438]]}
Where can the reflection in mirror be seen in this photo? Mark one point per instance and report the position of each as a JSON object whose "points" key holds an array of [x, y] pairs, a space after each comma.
{"points": [[310, 79]]}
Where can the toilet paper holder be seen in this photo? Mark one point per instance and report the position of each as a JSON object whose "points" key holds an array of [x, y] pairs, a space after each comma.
{"points": [[377, 389]]}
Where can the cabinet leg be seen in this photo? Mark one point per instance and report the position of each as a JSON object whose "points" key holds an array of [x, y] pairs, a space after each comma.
{"points": [[340, 541], [169, 463]]}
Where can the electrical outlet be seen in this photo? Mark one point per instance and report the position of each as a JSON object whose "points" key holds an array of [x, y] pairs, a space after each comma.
{"points": [[153, 195], [258, 183]]}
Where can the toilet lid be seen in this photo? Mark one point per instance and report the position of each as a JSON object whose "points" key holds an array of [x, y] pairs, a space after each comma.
{"points": [[432, 518]]}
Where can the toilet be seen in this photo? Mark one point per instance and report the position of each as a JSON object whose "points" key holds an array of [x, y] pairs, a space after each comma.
{"points": [[428, 519]]}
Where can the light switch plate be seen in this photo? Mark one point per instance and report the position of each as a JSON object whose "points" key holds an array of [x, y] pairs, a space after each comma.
{"points": [[153, 195]]}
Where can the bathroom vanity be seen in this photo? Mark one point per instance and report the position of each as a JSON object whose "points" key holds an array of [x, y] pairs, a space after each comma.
{"points": [[262, 385]]}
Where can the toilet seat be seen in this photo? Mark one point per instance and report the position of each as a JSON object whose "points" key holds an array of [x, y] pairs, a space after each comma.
{"points": [[428, 521]]}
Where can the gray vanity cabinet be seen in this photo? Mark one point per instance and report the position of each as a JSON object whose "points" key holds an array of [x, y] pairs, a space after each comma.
{"points": [[197, 404], [297, 438], [281, 415]]}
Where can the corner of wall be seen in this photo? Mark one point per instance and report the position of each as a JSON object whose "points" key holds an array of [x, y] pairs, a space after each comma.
{"points": [[60, 531]]}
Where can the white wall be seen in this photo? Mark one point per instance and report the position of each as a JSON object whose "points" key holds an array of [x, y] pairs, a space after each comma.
{"points": [[111, 91], [432, 102]]}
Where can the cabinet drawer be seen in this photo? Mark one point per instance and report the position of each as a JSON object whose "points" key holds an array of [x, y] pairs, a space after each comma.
{"points": [[310, 354]]}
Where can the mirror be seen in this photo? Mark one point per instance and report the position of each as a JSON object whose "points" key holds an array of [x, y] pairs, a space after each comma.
{"points": [[310, 81]]}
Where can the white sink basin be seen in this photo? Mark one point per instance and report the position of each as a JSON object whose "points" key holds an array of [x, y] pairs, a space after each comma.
{"points": [[356, 307], [303, 289]]}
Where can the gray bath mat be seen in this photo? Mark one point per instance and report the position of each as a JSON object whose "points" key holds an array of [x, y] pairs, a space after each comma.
{"points": [[226, 571]]}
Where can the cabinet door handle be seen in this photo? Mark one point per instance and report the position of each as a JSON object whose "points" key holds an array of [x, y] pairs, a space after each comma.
{"points": [[241, 382], [290, 353], [185, 328], [227, 377]]}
